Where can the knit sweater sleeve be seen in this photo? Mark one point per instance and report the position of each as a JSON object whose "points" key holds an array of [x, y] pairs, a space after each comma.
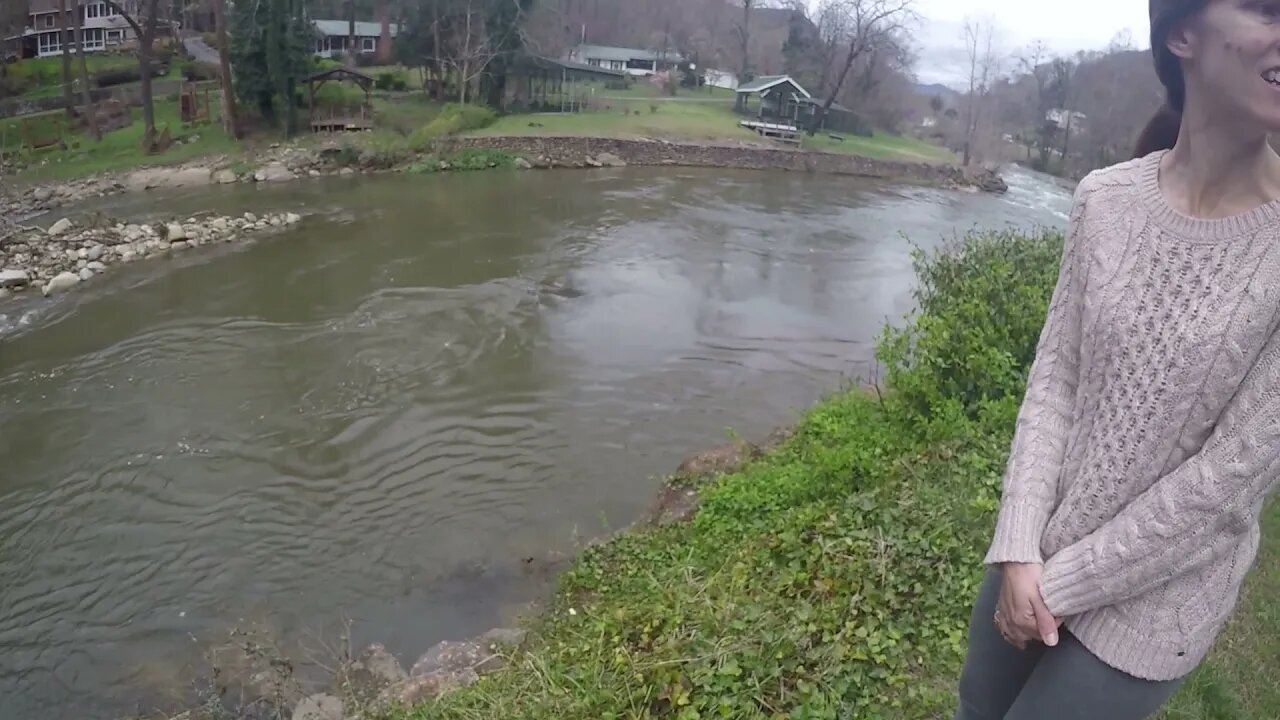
{"points": [[1186, 519], [1044, 421]]}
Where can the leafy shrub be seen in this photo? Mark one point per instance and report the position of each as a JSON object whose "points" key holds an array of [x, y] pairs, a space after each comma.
{"points": [[118, 76], [981, 304], [391, 80], [453, 119], [194, 71]]}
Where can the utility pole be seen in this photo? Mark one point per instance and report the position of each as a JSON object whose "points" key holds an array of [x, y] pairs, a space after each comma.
{"points": [[229, 120]]}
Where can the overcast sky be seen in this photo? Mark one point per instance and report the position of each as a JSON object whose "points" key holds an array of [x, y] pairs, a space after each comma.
{"points": [[1065, 25]]}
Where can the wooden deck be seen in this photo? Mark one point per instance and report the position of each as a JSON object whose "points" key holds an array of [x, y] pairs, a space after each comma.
{"points": [[341, 124], [779, 132]]}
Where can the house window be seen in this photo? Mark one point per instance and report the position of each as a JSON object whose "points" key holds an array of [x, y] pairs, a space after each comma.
{"points": [[115, 37], [48, 43], [48, 20], [369, 44], [93, 10], [94, 39]]}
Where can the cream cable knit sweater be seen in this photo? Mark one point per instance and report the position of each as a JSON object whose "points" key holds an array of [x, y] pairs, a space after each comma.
{"points": [[1150, 433]]}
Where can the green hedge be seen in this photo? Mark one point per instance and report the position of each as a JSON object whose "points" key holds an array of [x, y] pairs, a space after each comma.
{"points": [[832, 578], [452, 120]]}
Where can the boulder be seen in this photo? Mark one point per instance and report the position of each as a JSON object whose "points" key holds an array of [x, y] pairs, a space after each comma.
{"points": [[319, 707], [250, 217], [41, 194], [72, 253], [59, 227], [82, 254], [128, 256], [94, 253], [4, 293], [179, 245], [522, 164], [168, 178], [273, 172], [62, 281], [610, 160], [292, 218], [14, 278], [592, 162], [224, 177], [175, 232], [86, 274], [717, 460], [435, 685], [96, 266], [375, 676]]}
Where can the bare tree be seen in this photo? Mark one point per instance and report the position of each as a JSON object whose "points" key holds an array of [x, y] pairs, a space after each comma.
{"points": [[869, 23], [351, 33], [64, 36], [742, 32], [230, 119], [1034, 62], [91, 115], [984, 61], [144, 24]]}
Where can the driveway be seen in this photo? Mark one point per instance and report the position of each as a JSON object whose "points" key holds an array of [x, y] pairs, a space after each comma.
{"points": [[200, 50]]}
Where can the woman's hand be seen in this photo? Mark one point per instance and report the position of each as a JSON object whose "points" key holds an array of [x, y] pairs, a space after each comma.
{"points": [[1021, 614]]}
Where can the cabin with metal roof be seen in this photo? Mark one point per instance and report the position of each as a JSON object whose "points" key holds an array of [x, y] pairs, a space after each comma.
{"points": [[772, 98]]}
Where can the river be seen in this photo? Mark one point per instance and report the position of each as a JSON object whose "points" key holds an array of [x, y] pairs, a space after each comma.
{"points": [[379, 416]]}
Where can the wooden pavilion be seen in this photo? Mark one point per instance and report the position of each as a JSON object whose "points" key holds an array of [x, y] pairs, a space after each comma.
{"points": [[344, 117]]}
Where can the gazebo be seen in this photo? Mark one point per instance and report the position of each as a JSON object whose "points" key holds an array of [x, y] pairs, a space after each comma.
{"points": [[341, 118]]}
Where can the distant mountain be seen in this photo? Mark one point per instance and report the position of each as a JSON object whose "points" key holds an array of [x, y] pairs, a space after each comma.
{"points": [[936, 89]]}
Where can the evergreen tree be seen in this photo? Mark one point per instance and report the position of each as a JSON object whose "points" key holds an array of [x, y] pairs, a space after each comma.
{"points": [[271, 54]]}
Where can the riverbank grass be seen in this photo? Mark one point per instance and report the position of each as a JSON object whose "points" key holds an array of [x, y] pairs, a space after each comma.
{"points": [[121, 150], [832, 578]]}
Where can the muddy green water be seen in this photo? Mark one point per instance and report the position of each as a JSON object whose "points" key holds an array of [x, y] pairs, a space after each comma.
{"points": [[381, 415]]}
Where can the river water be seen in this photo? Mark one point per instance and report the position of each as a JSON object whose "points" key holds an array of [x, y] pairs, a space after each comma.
{"points": [[380, 415]]}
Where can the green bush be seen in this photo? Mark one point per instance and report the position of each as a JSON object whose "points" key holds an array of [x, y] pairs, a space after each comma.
{"points": [[452, 120], [193, 71], [981, 304]]}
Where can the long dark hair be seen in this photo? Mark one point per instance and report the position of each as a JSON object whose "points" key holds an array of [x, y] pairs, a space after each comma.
{"points": [[1161, 133]]}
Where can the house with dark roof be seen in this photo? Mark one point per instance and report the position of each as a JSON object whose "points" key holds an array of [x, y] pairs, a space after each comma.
{"points": [[631, 61], [103, 28], [333, 36], [777, 97]]}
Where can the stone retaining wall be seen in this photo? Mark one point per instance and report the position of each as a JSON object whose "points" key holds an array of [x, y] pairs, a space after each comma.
{"points": [[572, 152]]}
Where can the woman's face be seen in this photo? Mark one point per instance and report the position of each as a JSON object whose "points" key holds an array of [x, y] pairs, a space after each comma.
{"points": [[1232, 51]]}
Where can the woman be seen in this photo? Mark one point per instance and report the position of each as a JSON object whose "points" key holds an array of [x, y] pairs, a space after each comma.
{"points": [[1150, 432]]}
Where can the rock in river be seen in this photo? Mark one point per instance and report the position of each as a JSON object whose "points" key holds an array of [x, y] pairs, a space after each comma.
{"points": [[86, 274], [610, 160], [14, 278], [94, 253], [319, 707], [59, 227], [62, 282], [175, 232]]}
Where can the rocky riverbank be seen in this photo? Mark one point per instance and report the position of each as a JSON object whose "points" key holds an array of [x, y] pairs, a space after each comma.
{"points": [[345, 156], [70, 251]]}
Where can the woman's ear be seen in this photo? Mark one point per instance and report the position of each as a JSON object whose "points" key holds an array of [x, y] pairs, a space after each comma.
{"points": [[1182, 41]]}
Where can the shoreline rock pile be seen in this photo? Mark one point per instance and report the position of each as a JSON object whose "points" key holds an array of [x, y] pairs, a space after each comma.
{"points": [[68, 253]]}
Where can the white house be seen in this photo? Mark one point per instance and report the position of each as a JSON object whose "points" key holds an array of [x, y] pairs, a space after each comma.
{"points": [[332, 37], [721, 79], [1062, 118], [103, 27], [629, 60]]}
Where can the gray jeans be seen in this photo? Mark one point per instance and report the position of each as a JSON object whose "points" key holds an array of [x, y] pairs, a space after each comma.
{"points": [[1066, 682]]}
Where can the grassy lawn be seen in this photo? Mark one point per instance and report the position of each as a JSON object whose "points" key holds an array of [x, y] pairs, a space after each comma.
{"points": [[631, 119], [641, 90], [699, 122], [883, 146], [119, 150]]}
